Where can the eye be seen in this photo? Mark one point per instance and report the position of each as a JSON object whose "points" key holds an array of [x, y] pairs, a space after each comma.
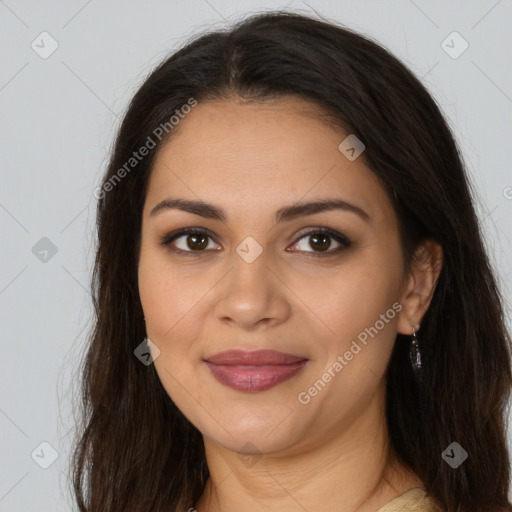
{"points": [[320, 241], [190, 240], [194, 241]]}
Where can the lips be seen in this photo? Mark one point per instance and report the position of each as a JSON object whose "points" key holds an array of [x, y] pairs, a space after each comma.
{"points": [[254, 371]]}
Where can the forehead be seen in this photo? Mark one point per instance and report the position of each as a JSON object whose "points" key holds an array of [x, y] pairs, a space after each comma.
{"points": [[289, 127], [258, 155]]}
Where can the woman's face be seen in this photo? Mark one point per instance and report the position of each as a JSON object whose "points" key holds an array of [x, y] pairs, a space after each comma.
{"points": [[264, 278]]}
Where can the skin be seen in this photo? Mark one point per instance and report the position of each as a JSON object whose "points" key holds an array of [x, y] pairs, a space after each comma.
{"points": [[266, 450]]}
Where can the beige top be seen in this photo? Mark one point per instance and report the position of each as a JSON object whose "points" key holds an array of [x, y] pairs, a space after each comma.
{"points": [[414, 500]]}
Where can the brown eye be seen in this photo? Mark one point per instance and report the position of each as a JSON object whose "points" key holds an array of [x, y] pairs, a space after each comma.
{"points": [[321, 241], [188, 241]]}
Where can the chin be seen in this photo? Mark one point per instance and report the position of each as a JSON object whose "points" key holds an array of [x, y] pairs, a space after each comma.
{"points": [[255, 434]]}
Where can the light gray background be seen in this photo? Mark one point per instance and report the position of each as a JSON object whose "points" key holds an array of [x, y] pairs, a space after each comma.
{"points": [[59, 116]]}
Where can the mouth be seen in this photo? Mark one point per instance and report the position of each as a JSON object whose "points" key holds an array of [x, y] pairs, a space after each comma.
{"points": [[254, 371]]}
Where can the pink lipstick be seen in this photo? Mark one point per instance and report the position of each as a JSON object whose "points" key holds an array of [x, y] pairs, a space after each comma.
{"points": [[254, 371]]}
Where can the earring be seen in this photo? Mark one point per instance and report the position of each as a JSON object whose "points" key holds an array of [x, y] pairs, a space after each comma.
{"points": [[415, 355]]}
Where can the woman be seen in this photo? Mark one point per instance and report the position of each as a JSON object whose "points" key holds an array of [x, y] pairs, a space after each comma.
{"points": [[295, 309]]}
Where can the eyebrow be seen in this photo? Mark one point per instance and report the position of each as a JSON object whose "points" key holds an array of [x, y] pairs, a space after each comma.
{"points": [[285, 214]]}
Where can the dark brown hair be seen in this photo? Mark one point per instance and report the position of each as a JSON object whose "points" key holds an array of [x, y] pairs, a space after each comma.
{"points": [[135, 450]]}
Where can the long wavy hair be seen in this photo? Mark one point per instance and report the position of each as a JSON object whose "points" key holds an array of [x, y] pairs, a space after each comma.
{"points": [[135, 451]]}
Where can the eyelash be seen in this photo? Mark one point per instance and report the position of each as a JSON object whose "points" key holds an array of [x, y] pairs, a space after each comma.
{"points": [[341, 239]]}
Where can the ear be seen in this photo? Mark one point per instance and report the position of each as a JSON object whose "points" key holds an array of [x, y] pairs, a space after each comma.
{"points": [[419, 285]]}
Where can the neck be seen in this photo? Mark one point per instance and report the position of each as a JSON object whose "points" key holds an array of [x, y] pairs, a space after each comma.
{"points": [[355, 469]]}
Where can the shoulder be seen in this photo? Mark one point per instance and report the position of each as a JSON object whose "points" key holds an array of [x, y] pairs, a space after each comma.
{"points": [[414, 500]]}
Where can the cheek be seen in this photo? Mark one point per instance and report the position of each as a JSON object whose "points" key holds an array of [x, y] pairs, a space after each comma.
{"points": [[171, 303], [354, 297], [167, 294], [361, 307], [154, 292], [176, 300]]}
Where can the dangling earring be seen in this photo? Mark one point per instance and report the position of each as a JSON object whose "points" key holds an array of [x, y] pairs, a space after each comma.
{"points": [[415, 355]]}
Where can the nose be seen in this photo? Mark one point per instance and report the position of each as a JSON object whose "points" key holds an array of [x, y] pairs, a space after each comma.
{"points": [[252, 295]]}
